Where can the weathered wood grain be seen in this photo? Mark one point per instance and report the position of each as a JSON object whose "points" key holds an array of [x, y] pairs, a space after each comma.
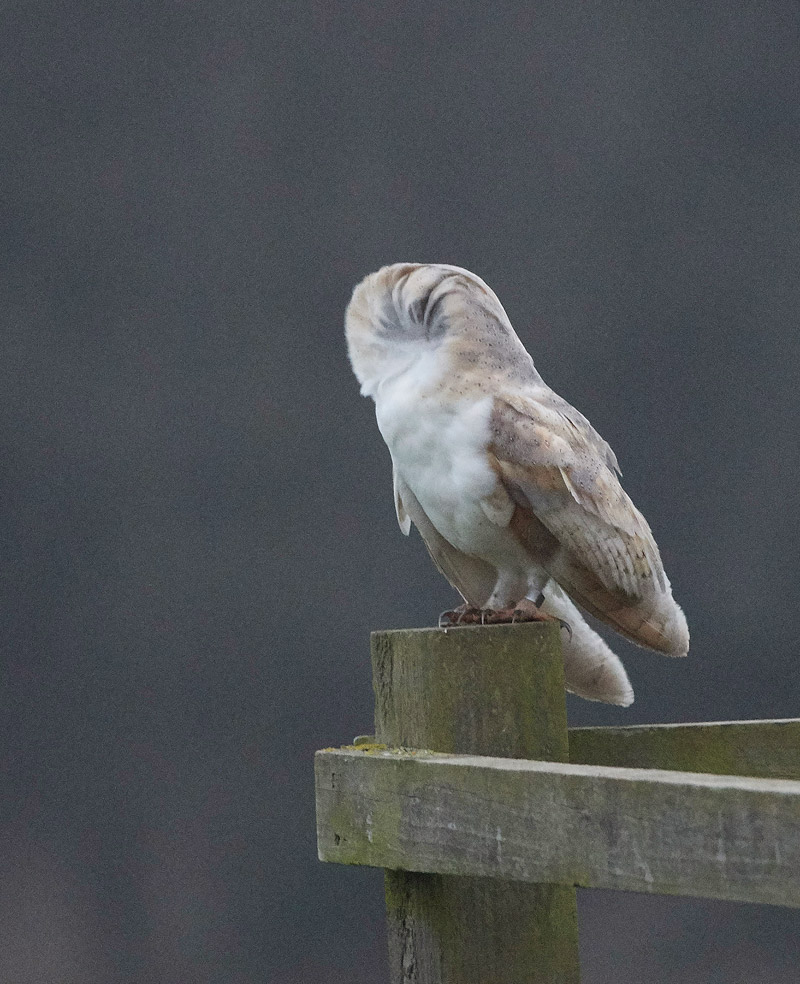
{"points": [[482, 690], [644, 830], [769, 749], [493, 690]]}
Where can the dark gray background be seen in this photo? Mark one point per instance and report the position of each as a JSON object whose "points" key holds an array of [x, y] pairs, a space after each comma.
{"points": [[198, 532]]}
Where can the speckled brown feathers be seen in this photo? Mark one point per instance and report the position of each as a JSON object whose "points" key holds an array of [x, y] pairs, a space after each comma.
{"points": [[575, 517]]}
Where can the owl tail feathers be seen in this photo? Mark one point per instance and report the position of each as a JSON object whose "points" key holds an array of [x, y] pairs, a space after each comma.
{"points": [[591, 670], [662, 628]]}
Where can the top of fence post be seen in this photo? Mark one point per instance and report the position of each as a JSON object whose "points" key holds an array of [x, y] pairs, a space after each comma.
{"points": [[492, 690]]}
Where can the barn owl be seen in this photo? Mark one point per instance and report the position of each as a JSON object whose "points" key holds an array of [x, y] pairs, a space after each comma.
{"points": [[514, 493]]}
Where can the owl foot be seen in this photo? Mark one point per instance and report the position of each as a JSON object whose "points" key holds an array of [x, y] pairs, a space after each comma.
{"points": [[531, 611], [526, 611]]}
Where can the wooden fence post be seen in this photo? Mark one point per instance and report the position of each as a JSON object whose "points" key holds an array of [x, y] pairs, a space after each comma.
{"points": [[489, 690]]}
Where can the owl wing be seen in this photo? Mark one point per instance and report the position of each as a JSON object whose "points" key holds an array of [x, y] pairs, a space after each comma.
{"points": [[576, 520]]}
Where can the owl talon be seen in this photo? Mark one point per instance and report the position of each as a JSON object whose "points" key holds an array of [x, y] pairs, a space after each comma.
{"points": [[463, 615], [528, 615]]}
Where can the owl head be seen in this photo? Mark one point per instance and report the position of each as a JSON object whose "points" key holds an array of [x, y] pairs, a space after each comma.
{"points": [[408, 308]]}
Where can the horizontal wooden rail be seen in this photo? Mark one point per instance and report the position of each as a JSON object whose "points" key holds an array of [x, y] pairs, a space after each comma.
{"points": [[770, 749], [644, 830]]}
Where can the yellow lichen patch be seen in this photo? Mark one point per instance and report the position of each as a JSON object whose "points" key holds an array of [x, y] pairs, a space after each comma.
{"points": [[376, 747], [368, 747]]}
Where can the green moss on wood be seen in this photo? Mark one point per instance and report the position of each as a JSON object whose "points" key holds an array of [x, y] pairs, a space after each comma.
{"points": [[486, 690], [482, 930], [491, 690], [769, 749]]}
